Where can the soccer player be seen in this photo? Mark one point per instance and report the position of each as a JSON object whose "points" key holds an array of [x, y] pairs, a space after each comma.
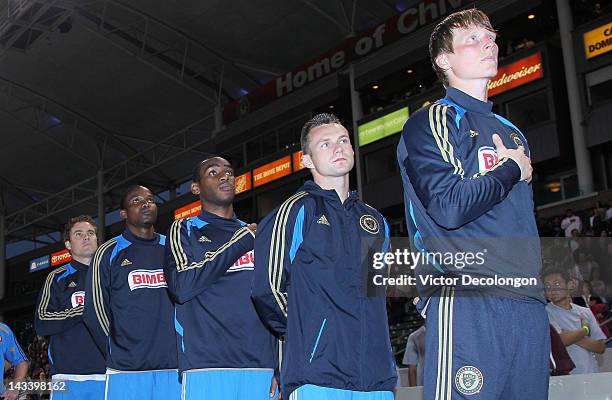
{"points": [[225, 352], [311, 256], [128, 308], [12, 352], [466, 175], [73, 354]]}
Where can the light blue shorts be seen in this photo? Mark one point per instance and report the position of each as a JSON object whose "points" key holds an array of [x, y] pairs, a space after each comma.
{"points": [[313, 392], [137, 385], [227, 384], [78, 387]]}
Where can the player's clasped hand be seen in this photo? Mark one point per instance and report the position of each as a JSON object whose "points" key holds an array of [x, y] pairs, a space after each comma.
{"points": [[517, 155], [252, 227]]}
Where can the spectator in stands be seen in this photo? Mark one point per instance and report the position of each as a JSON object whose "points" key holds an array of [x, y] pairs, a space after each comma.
{"points": [[608, 215], [598, 286], [414, 356], [584, 300], [574, 242], [606, 265], [581, 270], [576, 325], [597, 222], [557, 231], [571, 222]]}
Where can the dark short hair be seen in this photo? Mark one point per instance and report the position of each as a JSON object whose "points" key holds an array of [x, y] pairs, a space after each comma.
{"points": [[441, 39], [195, 175], [562, 272], [314, 122], [124, 197], [75, 220]]}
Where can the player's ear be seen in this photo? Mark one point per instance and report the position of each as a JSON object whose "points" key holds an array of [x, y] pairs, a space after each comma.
{"points": [[307, 161], [195, 188], [68, 245], [122, 214], [442, 61]]}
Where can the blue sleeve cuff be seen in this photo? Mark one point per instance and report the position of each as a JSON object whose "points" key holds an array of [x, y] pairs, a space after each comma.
{"points": [[507, 173]]}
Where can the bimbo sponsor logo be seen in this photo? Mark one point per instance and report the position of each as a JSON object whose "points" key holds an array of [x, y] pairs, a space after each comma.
{"points": [[487, 158], [246, 262], [147, 279], [77, 298]]}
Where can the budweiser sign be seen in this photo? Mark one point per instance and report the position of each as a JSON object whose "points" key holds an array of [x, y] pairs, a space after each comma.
{"points": [[516, 74]]}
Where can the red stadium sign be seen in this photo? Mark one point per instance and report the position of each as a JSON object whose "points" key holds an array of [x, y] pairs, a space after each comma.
{"points": [[272, 171], [243, 183], [61, 257], [517, 74], [190, 210], [354, 48], [297, 161]]}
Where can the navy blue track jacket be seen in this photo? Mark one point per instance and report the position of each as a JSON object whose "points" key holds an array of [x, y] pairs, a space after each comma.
{"points": [[209, 267], [59, 315], [310, 256], [129, 311], [459, 197]]}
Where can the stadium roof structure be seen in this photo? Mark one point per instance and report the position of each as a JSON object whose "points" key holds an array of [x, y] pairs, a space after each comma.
{"points": [[94, 93]]}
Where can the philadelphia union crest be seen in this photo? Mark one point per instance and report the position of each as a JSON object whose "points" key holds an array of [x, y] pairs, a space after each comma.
{"points": [[517, 140], [469, 380], [369, 224]]}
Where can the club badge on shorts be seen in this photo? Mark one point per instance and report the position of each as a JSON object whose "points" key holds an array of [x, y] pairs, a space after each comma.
{"points": [[469, 380], [369, 224]]}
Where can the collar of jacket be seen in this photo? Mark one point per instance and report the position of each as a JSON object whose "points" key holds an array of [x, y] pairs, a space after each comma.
{"points": [[77, 265], [468, 102], [130, 237], [330, 195], [216, 220]]}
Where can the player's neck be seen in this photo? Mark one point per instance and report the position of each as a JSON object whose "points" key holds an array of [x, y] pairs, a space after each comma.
{"points": [[142, 232], [82, 260], [223, 211], [477, 88], [338, 183]]}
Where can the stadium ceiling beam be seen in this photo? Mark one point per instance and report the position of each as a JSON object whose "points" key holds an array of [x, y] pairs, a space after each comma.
{"points": [[257, 68], [31, 239], [26, 99], [28, 189], [116, 176], [348, 21], [48, 134], [344, 28], [214, 52], [147, 141], [26, 23], [21, 194], [163, 48], [22, 11]]}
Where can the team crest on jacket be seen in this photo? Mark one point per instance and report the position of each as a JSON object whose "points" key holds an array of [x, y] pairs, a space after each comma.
{"points": [[517, 140], [77, 299], [487, 158], [469, 380], [369, 224], [147, 279], [246, 262]]}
